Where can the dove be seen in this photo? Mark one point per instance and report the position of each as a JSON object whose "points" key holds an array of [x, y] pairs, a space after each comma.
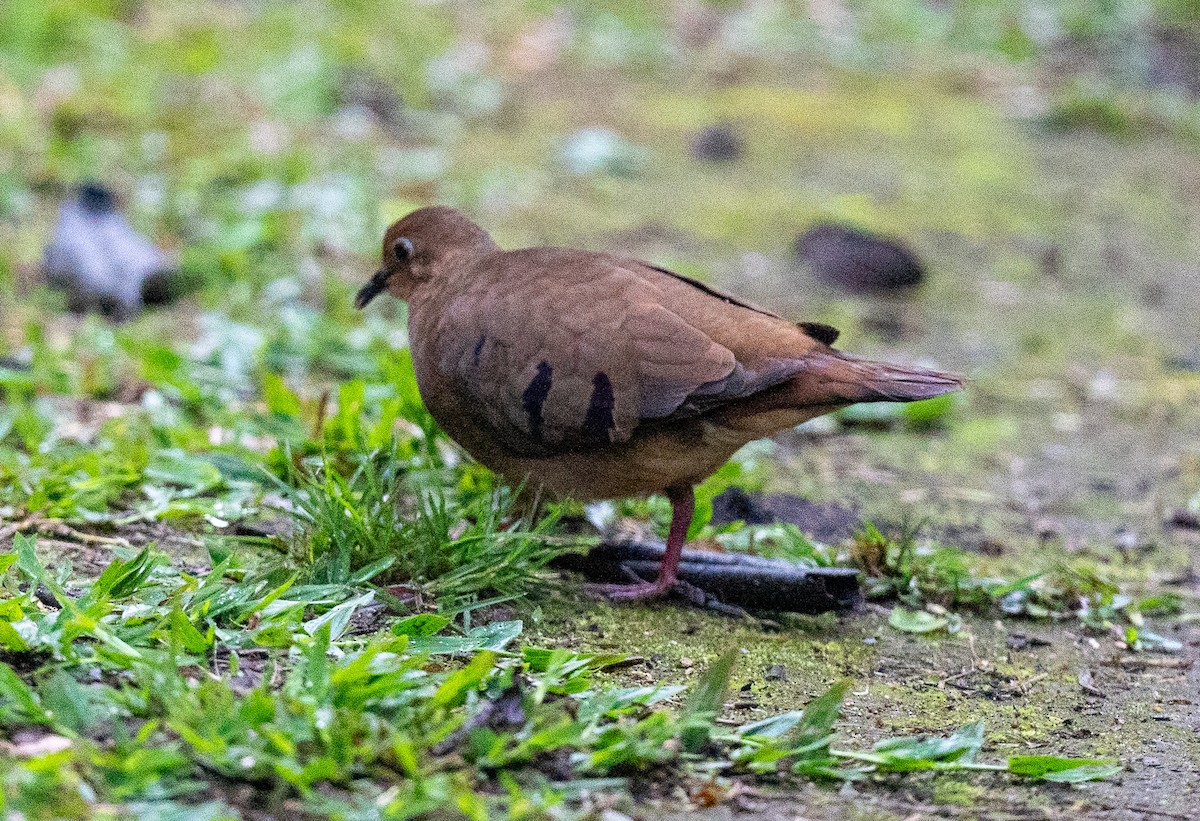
{"points": [[598, 376]]}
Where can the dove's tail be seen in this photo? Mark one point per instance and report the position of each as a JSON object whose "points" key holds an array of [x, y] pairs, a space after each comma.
{"points": [[843, 379], [832, 380]]}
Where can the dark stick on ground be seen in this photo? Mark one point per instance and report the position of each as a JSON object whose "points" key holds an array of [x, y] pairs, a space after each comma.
{"points": [[749, 582]]}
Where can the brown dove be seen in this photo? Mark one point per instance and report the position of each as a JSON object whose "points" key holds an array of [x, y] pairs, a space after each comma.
{"points": [[598, 375]]}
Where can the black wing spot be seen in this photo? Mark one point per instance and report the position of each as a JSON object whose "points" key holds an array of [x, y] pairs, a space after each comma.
{"points": [[822, 333], [534, 398], [599, 419], [478, 350]]}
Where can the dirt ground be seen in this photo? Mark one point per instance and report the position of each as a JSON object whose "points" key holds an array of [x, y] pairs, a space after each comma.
{"points": [[1040, 689], [1078, 440]]}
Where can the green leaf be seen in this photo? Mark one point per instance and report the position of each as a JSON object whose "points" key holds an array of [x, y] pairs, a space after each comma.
{"points": [[706, 701], [455, 688], [610, 702], [1015, 44], [495, 636], [87, 625], [339, 617], [181, 469], [312, 676], [823, 711], [262, 605], [808, 744], [708, 696], [923, 753], [916, 621], [539, 659], [183, 631], [1057, 768], [422, 624], [16, 694], [120, 578], [279, 397], [1087, 772], [10, 639], [73, 705], [929, 413], [347, 423], [234, 468], [401, 374], [773, 726], [367, 572], [708, 490]]}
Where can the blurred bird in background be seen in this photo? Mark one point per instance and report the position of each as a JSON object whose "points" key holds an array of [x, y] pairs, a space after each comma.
{"points": [[101, 262]]}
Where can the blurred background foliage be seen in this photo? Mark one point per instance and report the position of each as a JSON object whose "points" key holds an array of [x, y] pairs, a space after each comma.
{"points": [[1038, 154], [207, 114]]}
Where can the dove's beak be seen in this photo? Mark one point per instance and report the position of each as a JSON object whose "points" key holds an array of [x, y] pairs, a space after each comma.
{"points": [[372, 289]]}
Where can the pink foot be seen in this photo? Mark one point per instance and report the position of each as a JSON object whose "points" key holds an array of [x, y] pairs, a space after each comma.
{"points": [[683, 503], [642, 591], [648, 591]]}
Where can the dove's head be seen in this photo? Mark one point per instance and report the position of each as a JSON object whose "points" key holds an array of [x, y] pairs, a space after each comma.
{"points": [[416, 247]]}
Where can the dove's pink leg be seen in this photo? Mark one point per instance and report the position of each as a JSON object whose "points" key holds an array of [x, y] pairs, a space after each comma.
{"points": [[683, 505]]}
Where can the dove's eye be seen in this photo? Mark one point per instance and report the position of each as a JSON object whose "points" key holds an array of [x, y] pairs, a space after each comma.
{"points": [[403, 249]]}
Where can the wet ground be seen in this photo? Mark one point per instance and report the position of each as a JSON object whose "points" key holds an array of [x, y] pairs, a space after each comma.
{"points": [[1065, 281]]}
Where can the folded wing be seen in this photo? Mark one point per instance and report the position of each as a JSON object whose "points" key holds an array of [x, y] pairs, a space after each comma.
{"points": [[553, 366]]}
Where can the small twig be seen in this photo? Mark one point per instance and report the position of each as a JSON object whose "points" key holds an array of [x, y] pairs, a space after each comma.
{"points": [[1025, 686], [955, 678], [61, 528], [10, 530], [322, 410], [1147, 661], [1162, 814], [57, 527], [1086, 684]]}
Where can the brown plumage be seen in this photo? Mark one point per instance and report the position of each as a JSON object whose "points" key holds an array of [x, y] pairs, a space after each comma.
{"points": [[598, 376]]}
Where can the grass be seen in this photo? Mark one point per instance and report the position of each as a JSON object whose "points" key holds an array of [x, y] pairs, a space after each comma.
{"points": [[355, 671], [938, 580], [443, 544], [150, 691]]}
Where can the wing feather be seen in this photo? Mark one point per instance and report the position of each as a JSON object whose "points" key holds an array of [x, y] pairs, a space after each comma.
{"points": [[549, 373]]}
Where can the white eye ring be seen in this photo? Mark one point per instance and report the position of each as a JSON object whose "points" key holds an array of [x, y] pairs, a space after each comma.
{"points": [[403, 249]]}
